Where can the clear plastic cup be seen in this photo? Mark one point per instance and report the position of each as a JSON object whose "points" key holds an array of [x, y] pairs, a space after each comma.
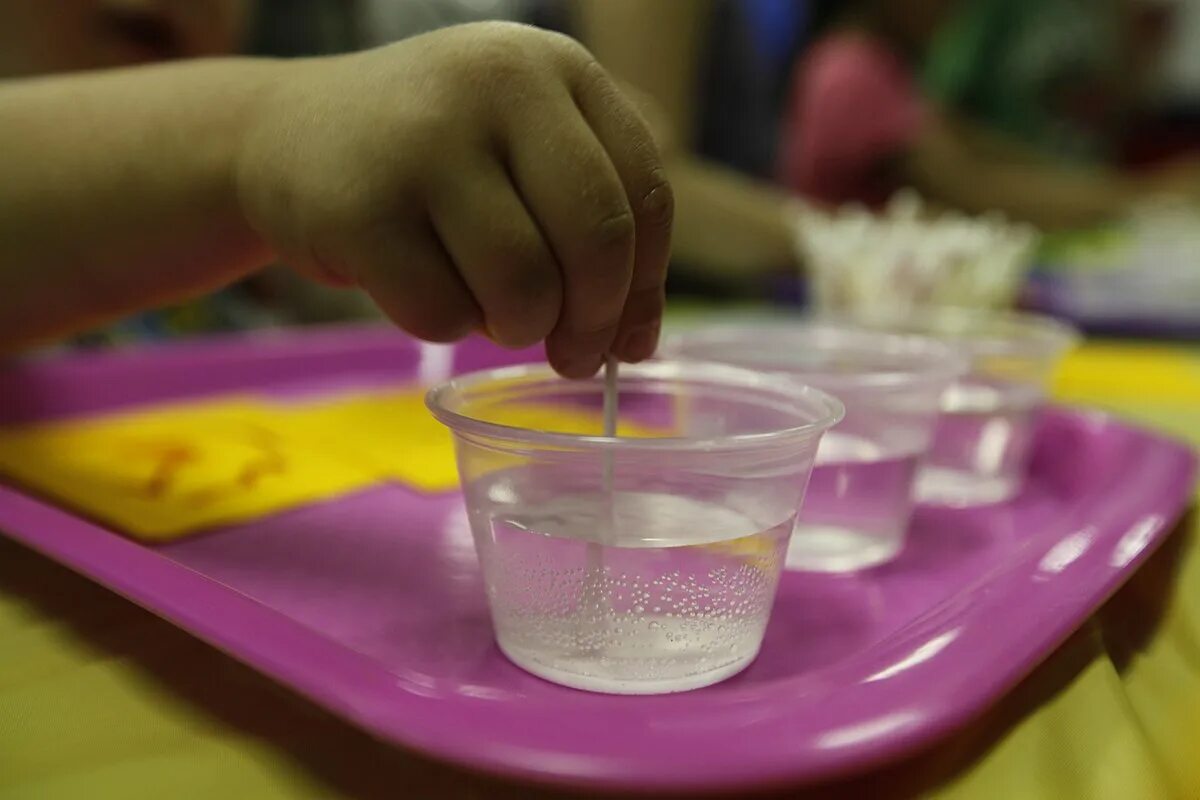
{"points": [[981, 447], [859, 500], [641, 563]]}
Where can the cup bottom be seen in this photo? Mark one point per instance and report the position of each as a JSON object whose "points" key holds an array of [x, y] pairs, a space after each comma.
{"points": [[595, 672], [834, 548], [943, 486]]}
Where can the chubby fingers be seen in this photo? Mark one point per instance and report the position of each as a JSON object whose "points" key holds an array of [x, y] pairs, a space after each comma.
{"points": [[499, 252], [588, 171], [628, 140], [412, 278], [542, 214]]}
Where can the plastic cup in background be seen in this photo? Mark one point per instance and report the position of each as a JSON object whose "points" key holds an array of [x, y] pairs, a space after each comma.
{"points": [[981, 448], [646, 562], [859, 501]]}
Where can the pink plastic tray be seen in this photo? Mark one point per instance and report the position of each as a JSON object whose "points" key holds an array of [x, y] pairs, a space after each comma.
{"points": [[372, 606]]}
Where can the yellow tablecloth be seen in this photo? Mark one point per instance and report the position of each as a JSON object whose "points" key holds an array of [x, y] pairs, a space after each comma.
{"points": [[99, 699]]}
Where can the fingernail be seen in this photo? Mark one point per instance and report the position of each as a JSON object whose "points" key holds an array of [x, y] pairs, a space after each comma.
{"points": [[582, 367], [639, 343]]}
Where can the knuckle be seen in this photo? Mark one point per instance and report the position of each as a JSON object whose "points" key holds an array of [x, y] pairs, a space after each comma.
{"points": [[574, 55], [528, 310], [491, 64], [527, 272], [526, 292], [507, 51], [656, 207], [644, 306], [593, 336], [614, 231], [499, 36], [530, 41], [514, 245], [591, 73], [502, 66]]}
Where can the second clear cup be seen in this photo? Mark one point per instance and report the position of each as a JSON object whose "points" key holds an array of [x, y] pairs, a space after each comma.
{"points": [[860, 496]]}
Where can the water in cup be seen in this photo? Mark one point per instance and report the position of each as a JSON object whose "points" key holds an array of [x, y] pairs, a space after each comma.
{"points": [[680, 600], [981, 444], [635, 564], [857, 506]]}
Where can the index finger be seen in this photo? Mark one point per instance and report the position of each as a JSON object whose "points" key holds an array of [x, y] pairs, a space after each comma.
{"points": [[626, 138]]}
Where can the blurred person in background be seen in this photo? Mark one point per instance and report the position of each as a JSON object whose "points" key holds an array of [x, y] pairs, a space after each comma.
{"points": [[1170, 124], [713, 91], [1062, 77], [1084, 81], [860, 127], [39, 38]]}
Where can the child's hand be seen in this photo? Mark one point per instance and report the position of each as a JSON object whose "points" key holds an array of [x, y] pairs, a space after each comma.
{"points": [[487, 176]]}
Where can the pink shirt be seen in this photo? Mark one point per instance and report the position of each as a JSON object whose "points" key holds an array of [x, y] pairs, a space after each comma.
{"points": [[854, 106]]}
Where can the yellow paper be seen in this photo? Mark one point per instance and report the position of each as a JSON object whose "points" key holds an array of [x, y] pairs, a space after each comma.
{"points": [[162, 472], [1106, 373], [391, 435], [396, 437], [159, 473]]}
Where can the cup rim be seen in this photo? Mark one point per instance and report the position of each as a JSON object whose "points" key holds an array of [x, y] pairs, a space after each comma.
{"points": [[1014, 333], [944, 361], [803, 399]]}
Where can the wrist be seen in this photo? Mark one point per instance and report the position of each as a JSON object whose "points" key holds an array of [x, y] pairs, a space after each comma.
{"points": [[254, 134]]}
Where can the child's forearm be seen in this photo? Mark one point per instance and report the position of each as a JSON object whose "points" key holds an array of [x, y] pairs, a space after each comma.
{"points": [[944, 166], [118, 191], [1049, 199], [727, 224], [482, 177]]}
